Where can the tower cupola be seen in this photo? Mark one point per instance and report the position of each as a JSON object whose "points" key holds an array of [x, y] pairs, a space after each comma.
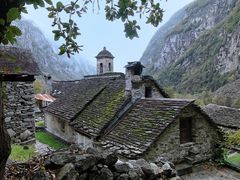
{"points": [[104, 61]]}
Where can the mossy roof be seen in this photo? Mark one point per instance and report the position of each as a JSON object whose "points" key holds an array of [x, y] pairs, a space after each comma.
{"points": [[223, 116], [74, 96], [102, 110], [17, 61], [141, 126]]}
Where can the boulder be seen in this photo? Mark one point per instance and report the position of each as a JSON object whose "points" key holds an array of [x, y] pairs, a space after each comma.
{"points": [[25, 135], [168, 170], [122, 167], [123, 177], [11, 133], [68, 172], [146, 168], [41, 175]]}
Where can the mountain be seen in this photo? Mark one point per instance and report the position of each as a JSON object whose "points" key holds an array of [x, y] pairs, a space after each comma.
{"points": [[198, 49], [49, 62]]}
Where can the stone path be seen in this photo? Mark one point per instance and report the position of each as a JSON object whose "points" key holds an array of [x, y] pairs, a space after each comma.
{"points": [[207, 172], [42, 148]]}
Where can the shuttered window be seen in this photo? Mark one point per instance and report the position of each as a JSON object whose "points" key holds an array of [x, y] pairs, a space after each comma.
{"points": [[186, 130]]}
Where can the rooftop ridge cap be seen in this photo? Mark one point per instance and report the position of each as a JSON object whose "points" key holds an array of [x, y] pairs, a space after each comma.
{"points": [[167, 99], [226, 107]]}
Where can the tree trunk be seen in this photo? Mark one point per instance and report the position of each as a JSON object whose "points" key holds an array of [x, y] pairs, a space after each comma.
{"points": [[5, 146]]}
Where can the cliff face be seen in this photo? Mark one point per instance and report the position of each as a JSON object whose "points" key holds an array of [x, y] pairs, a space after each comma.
{"points": [[60, 67], [198, 48]]}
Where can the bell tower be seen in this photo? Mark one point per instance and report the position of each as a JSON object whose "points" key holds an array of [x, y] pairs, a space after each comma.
{"points": [[104, 61]]}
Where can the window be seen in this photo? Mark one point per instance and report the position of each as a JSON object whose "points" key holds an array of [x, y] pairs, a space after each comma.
{"points": [[148, 92], [186, 130], [109, 67], [62, 126], [101, 67]]}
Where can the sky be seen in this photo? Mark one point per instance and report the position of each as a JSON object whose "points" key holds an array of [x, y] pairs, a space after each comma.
{"points": [[97, 32]]}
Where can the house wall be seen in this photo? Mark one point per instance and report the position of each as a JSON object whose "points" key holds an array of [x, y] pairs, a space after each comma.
{"points": [[19, 111], [54, 126], [168, 145]]}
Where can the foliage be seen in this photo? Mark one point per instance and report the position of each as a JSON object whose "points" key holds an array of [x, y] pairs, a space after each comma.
{"points": [[124, 10], [40, 124], [233, 138], [22, 153], [234, 159], [47, 138], [38, 86]]}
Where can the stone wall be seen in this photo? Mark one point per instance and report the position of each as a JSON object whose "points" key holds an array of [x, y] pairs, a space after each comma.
{"points": [[55, 125], [105, 65], [169, 146], [19, 111]]}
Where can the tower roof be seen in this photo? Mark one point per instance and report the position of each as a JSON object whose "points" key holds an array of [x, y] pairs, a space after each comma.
{"points": [[104, 54]]}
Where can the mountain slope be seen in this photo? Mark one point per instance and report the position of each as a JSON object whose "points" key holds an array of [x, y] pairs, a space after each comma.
{"points": [[201, 51], [59, 67]]}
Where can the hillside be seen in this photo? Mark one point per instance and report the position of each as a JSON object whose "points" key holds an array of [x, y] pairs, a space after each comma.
{"points": [[200, 51], [60, 67]]}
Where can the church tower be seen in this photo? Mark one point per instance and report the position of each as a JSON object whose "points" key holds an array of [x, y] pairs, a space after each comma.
{"points": [[104, 61]]}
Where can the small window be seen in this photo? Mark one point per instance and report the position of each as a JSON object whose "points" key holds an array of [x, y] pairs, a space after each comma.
{"points": [[186, 130], [62, 126], [101, 67], [148, 92], [109, 67]]}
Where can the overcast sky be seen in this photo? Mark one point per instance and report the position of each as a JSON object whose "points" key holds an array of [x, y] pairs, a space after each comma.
{"points": [[98, 32]]}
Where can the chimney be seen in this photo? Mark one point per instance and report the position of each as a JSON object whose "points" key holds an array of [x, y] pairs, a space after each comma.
{"points": [[48, 84], [134, 80]]}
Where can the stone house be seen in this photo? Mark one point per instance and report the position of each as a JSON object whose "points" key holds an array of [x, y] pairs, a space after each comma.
{"points": [[18, 70], [130, 113], [226, 118]]}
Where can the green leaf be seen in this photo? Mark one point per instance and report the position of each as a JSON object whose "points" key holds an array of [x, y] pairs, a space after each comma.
{"points": [[62, 50], [13, 14], [2, 21], [49, 2], [59, 5], [15, 30], [40, 3]]}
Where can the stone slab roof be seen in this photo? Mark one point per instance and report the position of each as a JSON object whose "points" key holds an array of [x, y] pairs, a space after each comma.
{"points": [[73, 96], [102, 110], [104, 54], [141, 126], [223, 116], [17, 61]]}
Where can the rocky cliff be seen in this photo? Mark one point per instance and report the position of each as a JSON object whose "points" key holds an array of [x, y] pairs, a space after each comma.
{"points": [[60, 67], [198, 48]]}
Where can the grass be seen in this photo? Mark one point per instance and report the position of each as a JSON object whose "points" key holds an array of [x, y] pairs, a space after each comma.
{"points": [[19, 153], [234, 159], [47, 138], [40, 123]]}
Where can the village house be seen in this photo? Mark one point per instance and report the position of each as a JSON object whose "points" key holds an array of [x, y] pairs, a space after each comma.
{"points": [[18, 70], [129, 113], [226, 118]]}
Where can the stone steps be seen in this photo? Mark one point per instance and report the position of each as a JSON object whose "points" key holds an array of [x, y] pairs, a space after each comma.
{"points": [[183, 168]]}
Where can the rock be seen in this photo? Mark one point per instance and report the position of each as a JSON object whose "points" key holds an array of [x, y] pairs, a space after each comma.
{"points": [[68, 172], [146, 168], [41, 175], [59, 159], [175, 178], [156, 170], [11, 133], [91, 150], [123, 177], [168, 171], [105, 174], [7, 119], [85, 161], [25, 135], [122, 167], [111, 159]]}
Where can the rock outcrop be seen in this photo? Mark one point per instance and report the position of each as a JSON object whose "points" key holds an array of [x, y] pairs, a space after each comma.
{"points": [[199, 45], [67, 165]]}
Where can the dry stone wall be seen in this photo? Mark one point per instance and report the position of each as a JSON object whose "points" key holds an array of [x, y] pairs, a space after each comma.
{"points": [[19, 111]]}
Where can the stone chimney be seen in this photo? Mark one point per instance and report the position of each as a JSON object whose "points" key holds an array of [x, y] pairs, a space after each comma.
{"points": [[134, 82], [48, 84], [104, 61]]}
